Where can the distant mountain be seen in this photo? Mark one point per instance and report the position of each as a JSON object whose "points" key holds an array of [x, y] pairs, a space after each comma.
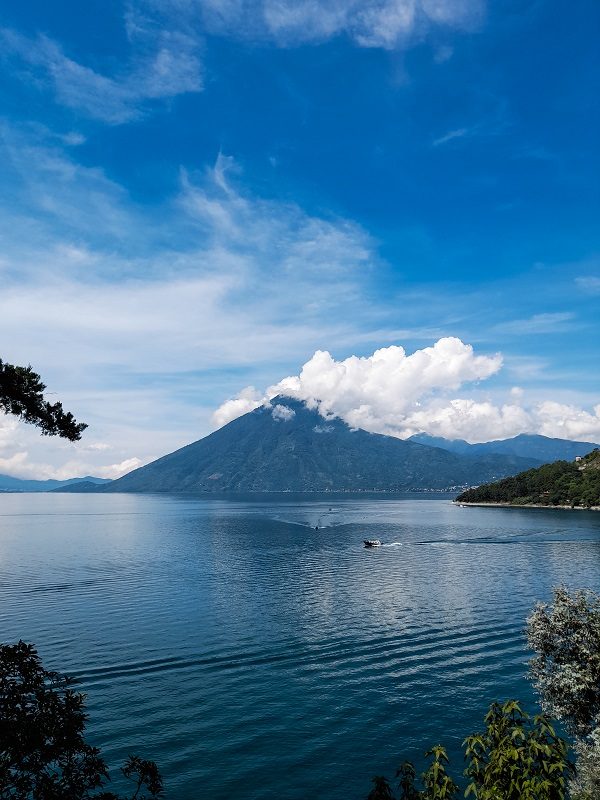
{"points": [[82, 486], [9, 484], [563, 483], [287, 447], [539, 448]]}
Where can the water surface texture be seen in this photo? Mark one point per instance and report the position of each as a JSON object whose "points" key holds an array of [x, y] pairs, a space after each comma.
{"points": [[253, 656]]}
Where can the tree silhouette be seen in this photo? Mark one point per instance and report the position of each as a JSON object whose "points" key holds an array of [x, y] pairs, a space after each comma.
{"points": [[43, 755], [22, 394]]}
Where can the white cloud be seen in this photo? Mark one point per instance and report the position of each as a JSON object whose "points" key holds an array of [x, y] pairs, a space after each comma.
{"points": [[282, 413], [589, 283], [115, 470], [247, 400], [468, 419], [139, 322], [8, 429], [373, 392], [166, 66], [76, 459], [397, 394], [568, 421], [20, 465], [379, 392], [387, 24], [97, 447]]}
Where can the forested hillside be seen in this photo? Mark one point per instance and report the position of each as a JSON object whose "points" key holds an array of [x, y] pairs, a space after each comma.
{"points": [[563, 483]]}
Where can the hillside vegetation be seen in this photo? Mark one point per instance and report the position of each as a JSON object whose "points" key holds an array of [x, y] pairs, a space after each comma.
{"points": [[563, 483]]}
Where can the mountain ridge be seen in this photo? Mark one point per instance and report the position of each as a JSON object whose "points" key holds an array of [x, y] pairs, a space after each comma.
{"points": [[9, 484], [285, 446], [536, 446]]}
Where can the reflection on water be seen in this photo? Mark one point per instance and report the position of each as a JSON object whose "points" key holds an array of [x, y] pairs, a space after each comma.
{"points": [[255, 649]]}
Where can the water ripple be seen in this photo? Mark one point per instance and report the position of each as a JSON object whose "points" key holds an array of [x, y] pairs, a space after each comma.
{"points": [[241, 648]]}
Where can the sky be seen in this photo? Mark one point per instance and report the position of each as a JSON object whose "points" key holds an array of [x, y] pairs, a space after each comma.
{"points": [[389, 208]]}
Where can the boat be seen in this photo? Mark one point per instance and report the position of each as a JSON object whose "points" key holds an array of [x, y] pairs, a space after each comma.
{"points": [[372, 542]]}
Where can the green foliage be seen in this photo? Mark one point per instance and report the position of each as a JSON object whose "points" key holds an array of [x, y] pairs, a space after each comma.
{"points": [[563, 483], [438, 785], [516, 757], [565, 637], [43, 755], [21, 394]]}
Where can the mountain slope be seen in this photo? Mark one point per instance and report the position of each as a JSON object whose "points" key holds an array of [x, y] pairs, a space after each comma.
{"points": [[9, 484], [288, 447], [539, 448], [563, 483]]}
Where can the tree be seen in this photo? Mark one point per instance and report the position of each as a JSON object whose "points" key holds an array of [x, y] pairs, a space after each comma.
{"points": [[438, 784], [565, 637], [381, 789], [407, 774], [514, 758], [21, 394], [43, 755], [586, 783]]}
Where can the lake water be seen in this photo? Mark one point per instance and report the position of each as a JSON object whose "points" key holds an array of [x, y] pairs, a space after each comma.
{"points": [[253, 656]]}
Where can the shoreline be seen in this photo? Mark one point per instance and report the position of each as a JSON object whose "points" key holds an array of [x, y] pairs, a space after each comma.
{"points": [[527, 505]]}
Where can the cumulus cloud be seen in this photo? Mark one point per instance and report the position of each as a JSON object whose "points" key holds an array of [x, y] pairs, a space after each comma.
{"points": [[247, 400], [397, 394], [372, 392], [568, 421], [464, 418], [387, 24], [380, 391]]}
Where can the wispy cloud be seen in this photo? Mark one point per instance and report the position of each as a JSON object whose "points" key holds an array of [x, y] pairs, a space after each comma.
{"points": [[214, 280], [459, 133], [589, 283], [165, 66], [160, 312], [386, 24], [538, 324]]}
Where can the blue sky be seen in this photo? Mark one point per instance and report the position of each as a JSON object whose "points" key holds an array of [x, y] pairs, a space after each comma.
{"points": [[198, 195]]}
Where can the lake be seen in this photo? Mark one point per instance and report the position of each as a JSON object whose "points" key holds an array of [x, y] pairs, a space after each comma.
{"points": [[253, 656]]}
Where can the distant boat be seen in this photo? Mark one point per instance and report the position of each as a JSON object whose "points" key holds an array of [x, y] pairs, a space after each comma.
{"points": [[372, 542]]}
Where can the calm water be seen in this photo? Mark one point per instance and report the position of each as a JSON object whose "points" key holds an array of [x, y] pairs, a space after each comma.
{"points": [[254, 657]]}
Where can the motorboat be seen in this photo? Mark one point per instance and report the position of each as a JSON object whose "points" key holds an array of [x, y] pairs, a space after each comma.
{"points": [[372, 542]]}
